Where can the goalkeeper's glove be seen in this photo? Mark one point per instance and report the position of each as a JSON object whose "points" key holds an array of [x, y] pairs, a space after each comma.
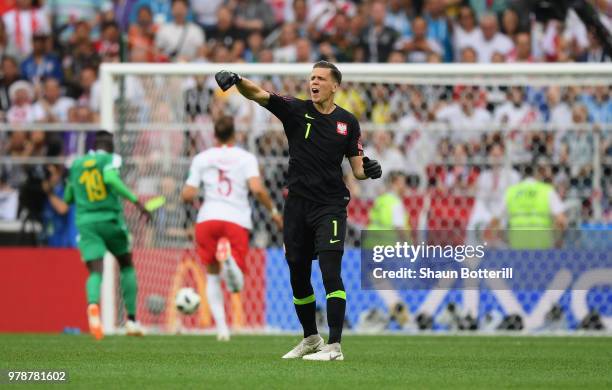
{"points": [[371, 168], [227, 79]]}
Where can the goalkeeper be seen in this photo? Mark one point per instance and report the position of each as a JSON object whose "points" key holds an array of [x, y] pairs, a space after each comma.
{"points": [[95, 187], [320, 134]]}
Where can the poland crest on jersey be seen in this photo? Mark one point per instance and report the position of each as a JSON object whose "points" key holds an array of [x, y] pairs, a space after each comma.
{"points": [[341, 128]]}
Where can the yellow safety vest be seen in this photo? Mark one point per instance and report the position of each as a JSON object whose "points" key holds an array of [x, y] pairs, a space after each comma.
{"points": [[530, 224], [380, 228]]}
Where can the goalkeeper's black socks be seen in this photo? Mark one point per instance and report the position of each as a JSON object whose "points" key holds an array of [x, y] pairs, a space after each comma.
{"points": [[303, 295], [306, 314], [335, 318], [330, 263]]}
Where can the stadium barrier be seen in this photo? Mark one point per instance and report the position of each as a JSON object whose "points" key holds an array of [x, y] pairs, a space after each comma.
{"points": [[42, 290]]}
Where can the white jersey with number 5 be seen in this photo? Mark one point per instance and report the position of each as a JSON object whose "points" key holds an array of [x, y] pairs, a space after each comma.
{"points": [[225, 172]]}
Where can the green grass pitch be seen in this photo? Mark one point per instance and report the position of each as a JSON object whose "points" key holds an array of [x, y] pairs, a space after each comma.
{"points": [[372, 362]]}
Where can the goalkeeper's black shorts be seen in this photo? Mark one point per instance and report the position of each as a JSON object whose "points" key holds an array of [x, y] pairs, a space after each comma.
{"points": [[311, 227]]}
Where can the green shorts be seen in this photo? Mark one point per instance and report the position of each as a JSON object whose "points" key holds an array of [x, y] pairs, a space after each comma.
{"points": [[96, 238]]}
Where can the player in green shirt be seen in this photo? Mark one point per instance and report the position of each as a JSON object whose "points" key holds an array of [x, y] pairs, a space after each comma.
{"points": [[95, 187]]}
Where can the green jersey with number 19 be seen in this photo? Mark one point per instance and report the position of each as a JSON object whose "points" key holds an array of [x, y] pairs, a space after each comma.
{"points": [[95, 200]]}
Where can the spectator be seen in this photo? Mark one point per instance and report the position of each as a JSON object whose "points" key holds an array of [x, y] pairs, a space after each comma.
{"points": [[515, 111], [419, 47], [198, 99], [90, 89], [438, 27], [341, 41], [52, 107], [352, 99], [161, 10], [492, 41], [434, 58], [254, 47], [254, 15], [72, 139], [483, 7], [108, 47], [381, 110], [205, 12], [122, 13], [469, 55], [574, 33], [522, 51], [286, 50], [221, 54], [510, 23], [22, 95], [9, 198], [10, 74], [22, 23], [558, 112], [299, 16], [599, 105], [304, 51], [323, 14], [18, 145], [80, 53], [81, 33], [419, 145], [225, 32], [466, 117], [386, 154], [397, 57], [142, 33], [5, 50], [397, 18], [595, 52], [579, 143], [498, 58], [179, 39], [510, 117], [459, 177], [41, 63], [466, 33], [66, 15], [356, 25], [491, 187], [377, 40]]}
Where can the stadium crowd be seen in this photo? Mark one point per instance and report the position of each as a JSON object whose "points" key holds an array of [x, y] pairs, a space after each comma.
{"points": [[51, 50]]}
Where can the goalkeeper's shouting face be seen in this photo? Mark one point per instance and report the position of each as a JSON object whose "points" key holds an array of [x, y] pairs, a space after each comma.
{"points": [[324, 81]]}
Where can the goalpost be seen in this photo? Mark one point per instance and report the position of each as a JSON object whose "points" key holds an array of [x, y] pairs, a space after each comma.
{"points": [[161, 114]]}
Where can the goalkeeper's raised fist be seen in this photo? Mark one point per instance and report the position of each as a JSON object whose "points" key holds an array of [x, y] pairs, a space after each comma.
{"points": [[226, 79], [371, 168]]}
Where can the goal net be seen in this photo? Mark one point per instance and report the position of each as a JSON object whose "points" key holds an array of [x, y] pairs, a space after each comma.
{"points": [[459, 134]]}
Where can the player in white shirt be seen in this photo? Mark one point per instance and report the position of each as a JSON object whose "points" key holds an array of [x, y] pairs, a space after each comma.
{"points": [[224, 220]]}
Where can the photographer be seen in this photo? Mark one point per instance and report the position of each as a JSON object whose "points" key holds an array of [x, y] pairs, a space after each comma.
{"points": [[57, 217]]}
